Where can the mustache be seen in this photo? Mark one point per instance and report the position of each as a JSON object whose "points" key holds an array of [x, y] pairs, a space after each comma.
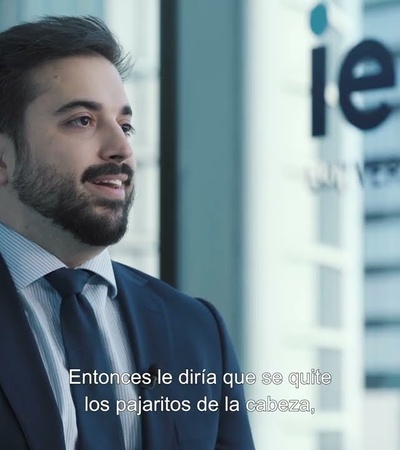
{"points": [[94, 172]]}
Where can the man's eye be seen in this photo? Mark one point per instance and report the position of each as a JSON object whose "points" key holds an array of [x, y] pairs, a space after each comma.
{"points": [[82, 121], [128, 129]]}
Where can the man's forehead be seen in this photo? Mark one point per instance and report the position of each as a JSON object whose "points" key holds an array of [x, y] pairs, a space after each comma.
{"points": [[78, 77]]}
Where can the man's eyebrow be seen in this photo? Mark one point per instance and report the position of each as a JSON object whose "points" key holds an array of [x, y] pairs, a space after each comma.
{"points": [[126, 110]]}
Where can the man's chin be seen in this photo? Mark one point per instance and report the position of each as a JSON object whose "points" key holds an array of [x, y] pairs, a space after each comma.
{"points": [[100, 237], [99, 226], [109, 205]]}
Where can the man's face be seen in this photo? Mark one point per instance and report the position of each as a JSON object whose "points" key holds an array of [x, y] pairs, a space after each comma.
{"points": [[76, 164]]}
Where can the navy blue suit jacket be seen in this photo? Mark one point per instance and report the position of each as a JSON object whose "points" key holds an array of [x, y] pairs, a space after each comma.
{"points": [[165, 328]]}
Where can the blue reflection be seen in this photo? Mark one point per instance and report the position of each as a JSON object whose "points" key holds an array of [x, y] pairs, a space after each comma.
{"points": [[319, 19]]}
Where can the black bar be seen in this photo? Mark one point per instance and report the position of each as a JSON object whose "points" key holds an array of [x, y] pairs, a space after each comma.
{"points": [[371, 163], [382, 381], [382, 215], [168, 141], [385, 322], [382, 269]]}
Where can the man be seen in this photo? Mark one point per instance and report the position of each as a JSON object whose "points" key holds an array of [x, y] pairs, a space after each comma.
{"points": [[66, 188]]}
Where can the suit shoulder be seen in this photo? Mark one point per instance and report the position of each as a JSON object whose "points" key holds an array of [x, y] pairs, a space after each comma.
{"points": [[167, 292], [134, 274]]}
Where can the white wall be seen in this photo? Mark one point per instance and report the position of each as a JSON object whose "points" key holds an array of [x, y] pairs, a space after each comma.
{"points": [[300, 257], [381, 420]]}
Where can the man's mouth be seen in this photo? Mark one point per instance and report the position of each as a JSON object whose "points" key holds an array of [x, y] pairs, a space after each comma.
{"points": [[114, 180], [111, 186], [111, 183]]}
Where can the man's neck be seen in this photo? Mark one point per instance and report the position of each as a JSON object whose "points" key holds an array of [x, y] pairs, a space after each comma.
{"points": [[55, 240]]}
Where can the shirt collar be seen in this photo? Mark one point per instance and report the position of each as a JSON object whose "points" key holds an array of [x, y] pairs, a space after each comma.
{"points": [[28, 262]]}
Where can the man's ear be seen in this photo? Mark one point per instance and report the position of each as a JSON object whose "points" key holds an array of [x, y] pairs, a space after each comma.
{"points": [[4, 159]]}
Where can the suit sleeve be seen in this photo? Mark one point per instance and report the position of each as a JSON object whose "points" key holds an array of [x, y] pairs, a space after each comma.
{"points": [[234, 429]]}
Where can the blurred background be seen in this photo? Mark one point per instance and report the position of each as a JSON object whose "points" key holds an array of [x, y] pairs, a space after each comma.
{"points": [[269, 183]]}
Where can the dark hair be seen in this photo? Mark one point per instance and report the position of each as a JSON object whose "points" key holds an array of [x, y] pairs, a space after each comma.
{"points": [[27, 46]]}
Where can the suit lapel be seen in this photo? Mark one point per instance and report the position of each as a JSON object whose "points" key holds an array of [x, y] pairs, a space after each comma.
{"points": [[151, 342], [23, 377], [24, 380]]}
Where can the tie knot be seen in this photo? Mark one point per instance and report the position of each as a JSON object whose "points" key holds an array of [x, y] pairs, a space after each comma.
{"points": [[68, 282]]}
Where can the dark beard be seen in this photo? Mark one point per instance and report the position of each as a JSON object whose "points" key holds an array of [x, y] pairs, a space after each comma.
{"points": [[53, 193]]}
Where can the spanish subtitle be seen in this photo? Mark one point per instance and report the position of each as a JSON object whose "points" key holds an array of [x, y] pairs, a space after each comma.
{"points": [[139, 405]]}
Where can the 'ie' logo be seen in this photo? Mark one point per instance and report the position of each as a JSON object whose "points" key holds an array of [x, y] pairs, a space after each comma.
{"points": [[348, 80]]}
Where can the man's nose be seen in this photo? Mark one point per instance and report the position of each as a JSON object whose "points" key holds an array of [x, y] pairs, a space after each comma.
{"points": [[116, 146]]}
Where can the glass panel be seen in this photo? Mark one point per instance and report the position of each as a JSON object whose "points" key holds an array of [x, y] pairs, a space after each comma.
{"points": [[382, 296], [382, 349], [330, 440], [329, 217], [330, 286], [330, 396], [9, 13]]}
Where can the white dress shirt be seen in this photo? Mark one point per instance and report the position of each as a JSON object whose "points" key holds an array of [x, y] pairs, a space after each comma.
{"points": [[28, 263]]}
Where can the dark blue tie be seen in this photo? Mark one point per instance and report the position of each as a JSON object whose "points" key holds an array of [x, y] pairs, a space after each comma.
{"points": [[100, 430]]}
